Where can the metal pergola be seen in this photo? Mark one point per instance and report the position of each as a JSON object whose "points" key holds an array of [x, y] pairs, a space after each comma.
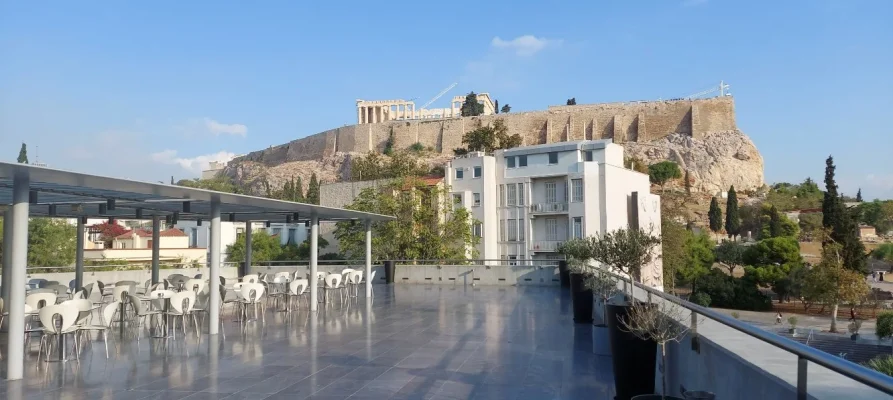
{"points": [[28, 191]]}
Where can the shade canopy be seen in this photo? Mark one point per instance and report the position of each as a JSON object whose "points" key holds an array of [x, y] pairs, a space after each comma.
{"points": [[63, 194]]}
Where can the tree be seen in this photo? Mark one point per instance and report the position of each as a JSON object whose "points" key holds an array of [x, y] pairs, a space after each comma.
{"points": [[842, 223], [264, 247], [108, 232], [831, 282], [773, 251], [375, 166], [312, 196], [220, 184], [883, 327], [659, 323], [859, 195], [51, 242], [424, 228], [715, 216], [496, 106], [660, 173], [635, 164], [733, 221], [572, 101], [699, 257], [878, 214], [389, 144], [626, 250], [506, 109], [172, 180], [810, 225], [490, 138], [298, 187], [471, 107], [730, 255], [23, 154], [673, 254]]}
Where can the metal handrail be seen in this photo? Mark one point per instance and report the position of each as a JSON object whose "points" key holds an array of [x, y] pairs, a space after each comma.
{"points": [[804, 353]]}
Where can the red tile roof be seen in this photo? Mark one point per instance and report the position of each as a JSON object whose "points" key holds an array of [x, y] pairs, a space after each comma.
{"points": [[172, 232]]}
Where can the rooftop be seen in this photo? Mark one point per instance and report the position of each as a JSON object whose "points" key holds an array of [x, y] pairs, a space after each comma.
{"points": [[172, 232]]}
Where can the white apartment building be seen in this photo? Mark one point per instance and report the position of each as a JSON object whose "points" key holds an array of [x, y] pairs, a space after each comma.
{"points": [[530, 199]]}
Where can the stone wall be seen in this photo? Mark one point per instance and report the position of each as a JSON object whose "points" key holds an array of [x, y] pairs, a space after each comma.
{"points": [[623, 122]]}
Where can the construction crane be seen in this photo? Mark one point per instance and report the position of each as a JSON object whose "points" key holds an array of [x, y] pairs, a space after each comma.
{"points": [[439, 95], [723, 90]]}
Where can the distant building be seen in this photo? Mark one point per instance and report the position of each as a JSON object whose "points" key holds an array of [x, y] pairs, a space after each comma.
{"points": [[214, 168], [867, 232]]}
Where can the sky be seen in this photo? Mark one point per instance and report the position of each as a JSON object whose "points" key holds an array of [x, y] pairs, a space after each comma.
{"points": [[150, 90]]}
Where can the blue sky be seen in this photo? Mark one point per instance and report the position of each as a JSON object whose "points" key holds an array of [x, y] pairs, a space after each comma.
{"points": [[147, 90]]}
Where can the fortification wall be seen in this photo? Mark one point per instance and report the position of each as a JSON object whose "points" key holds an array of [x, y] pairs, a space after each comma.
{"points": [[623, 122]]}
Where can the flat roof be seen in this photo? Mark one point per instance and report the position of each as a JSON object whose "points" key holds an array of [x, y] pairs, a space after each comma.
{"points": [[64, 194]]}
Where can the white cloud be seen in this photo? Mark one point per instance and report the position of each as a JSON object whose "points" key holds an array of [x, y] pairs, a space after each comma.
{"points": [[193, 164], [218, 128], [526, 45]]}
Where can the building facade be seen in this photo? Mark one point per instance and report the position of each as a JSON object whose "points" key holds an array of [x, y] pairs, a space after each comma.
{"points": [[528, 200], [378, 111]]}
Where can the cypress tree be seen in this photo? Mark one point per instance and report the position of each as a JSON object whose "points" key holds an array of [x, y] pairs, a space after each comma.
{"points": [[733, 220], [859, 195], [830, 203], [842, 223], [299, 190], [313, 190], [496, 106], [715, 216], [774, 222], [23, 155]]}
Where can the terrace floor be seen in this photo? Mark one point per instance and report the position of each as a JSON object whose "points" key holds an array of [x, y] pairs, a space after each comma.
{"points": [[413, 342]]}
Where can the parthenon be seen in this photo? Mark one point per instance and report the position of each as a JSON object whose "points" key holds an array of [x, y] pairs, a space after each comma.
{"points": [[376, 111]]}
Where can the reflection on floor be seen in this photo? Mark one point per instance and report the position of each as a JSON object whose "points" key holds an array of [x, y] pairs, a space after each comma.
{"points": [[413, 342]]}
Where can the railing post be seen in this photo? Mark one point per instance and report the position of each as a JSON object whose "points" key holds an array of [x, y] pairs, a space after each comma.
{"points": [[695, 338], [801, 378]]}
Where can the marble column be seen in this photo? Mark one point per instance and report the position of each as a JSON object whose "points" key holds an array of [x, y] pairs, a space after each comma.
{"points": [[359, 115]]}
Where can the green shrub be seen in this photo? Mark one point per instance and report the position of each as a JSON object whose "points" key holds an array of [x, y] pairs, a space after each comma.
{"points": [[702, 299], [736, 315], [417, 147], [793, 322], [883, 328], [882, 364], [735, 293]]}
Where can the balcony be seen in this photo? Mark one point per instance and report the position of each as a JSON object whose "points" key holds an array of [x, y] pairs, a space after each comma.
{"points": [[548, 208], [546, 246]]}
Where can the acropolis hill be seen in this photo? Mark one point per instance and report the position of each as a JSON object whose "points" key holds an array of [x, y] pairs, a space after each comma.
{"points": [[699, 134]]}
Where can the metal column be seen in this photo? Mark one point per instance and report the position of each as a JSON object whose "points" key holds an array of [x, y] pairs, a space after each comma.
{"points": [[7, 255], [314, 239], [15, 352], [79, 255], [156, 247], [368, 273], [247, 269], [214, 314]]}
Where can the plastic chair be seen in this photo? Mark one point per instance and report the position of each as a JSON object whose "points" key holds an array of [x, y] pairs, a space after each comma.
{"points": [[140, 313], [333, 283], [105, 323], [181, 306], [250, 278], [38, 301], [121, 289], [252, 294], [69, 315], [61, 290], [354, 281], [296, 290], [195, 285]]}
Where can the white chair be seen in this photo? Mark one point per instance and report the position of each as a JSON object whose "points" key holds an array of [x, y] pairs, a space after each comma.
{"points": [[278, 289], [252, 295], [181, 305], [69, 315], [251, 278], [285, 275], [105, 323], [145, 288], [333, 283], [61, 290], [296, 290], [39, 300], [120, 289], [354, 281], [195, 285], [140, 313]]}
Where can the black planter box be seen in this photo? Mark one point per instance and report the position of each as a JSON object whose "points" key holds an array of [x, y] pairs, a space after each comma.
{"points": [[582, 299], [633, 359], [390, 271]]}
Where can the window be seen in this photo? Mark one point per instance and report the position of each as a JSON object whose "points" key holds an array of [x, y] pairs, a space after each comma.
{"points": [[520, 194], [476, 197], [457, 200], [476, 172], [501, 195], [513, 260], [477, 230], [193, 239], [513, 230], [577, 189], [578, 227], [551, 193], [522, 161], [510, 194], [551, 229], [587, 155], [292, 236], [277, 231], [240, 232], [522, 233], [553, 158], [502, 230], [459, 173], [510, 162]]}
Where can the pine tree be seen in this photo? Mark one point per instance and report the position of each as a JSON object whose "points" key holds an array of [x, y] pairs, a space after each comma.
{"points": [[23, 154], [496, 106], [506, 109], [859, 195], [733, 220], [715, 216], [471, 107], [313, 190], [774, 222], [842, 223], [299, 190]]}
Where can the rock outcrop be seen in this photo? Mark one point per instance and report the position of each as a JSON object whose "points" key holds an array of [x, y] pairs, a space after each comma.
{"points": [[714, 162]]}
